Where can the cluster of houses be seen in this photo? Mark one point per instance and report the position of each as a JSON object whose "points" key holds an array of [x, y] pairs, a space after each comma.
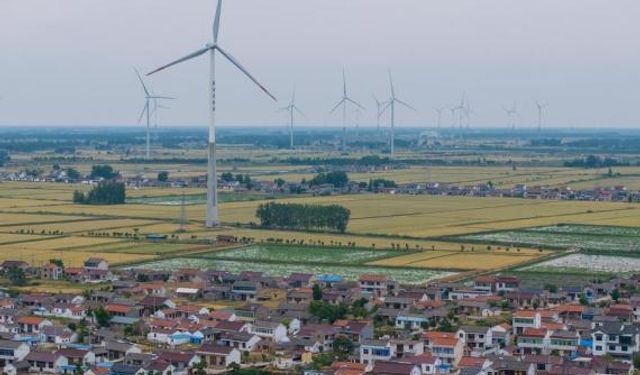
{"points": [[143, 322], [615, 194]]}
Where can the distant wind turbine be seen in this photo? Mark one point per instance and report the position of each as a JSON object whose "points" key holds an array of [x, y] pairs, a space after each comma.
{"points": [[212, 219], [292, 108], [379, 112], [439, 114], [541, 108], [146, 110], [343, 102], [512, 114], [392, 105]]}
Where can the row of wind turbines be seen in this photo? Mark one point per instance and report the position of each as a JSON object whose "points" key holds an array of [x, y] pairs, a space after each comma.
{"points": [[151, 107], [212, 49]]}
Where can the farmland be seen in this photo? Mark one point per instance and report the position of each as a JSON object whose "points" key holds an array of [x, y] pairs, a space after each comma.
{"points": [[297, 254], [584, 263], [594, 238], [402, 275]]}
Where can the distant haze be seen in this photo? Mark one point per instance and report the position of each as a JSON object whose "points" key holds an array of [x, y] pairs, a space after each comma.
{"points": [[69, 62]]}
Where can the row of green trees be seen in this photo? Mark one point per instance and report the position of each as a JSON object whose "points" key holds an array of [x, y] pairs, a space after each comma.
{"points": [[303, 216], [105, 193]]}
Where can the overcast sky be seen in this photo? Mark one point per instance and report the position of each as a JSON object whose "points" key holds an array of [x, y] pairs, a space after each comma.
{"points": [[69, 62]]}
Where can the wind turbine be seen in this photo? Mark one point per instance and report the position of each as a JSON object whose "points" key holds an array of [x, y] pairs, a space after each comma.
{"points": [[343, 102], [146, 110], [467, 113], [392, 105], [541, 108], [379, 112], [292, 108], [512, 113], [156, 109], [439, 114], [453, 111], [212, 219]]}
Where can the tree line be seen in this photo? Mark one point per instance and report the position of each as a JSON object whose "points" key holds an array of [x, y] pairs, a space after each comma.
{"points": [[303, 216], [105, 193]]}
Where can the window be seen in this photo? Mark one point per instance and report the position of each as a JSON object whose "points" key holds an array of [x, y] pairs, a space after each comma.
{"points": [[598, 337]]}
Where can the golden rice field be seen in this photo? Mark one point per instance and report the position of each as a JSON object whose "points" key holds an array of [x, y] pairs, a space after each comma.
{"points": [[70, 258], [61, 243], [80, 226], [13, 237], [8, 219], [413, 216]]}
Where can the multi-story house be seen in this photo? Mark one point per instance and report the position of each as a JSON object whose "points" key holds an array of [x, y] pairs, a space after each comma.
{"points": [[523, 319], [475, 338], [617, 339], [376, 350]]}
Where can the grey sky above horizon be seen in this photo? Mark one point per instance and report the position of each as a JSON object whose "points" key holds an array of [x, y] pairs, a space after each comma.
{"points": [[69, 62]]}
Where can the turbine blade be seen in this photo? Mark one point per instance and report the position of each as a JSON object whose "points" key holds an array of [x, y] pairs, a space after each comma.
{"points": [[216, 22], [386, 107], [188, 57], [162, 97], [239, 66], [355, 103], [406, 105], [344, 83], [338, 105], [144, 110], [299, 111], [144, 87], [393, 91]]}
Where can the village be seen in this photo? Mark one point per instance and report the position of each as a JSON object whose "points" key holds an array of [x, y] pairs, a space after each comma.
{"points": [[191, 321], [279, 187]]}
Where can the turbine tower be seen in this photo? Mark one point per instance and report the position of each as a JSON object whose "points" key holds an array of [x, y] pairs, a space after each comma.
{"points": [[392, 105], [146, 110], [439, 114], [212, 219], [292, 108], [512, 114], [541, 108], [379, 112], [343, 102], [467, 113]]}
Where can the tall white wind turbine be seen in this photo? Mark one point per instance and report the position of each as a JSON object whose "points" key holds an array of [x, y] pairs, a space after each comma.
{"points": [[344, 101], [212, 219], [146, 110], [292, 108], [392, 105]]}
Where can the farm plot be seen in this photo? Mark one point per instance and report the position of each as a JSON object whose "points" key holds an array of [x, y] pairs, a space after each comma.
{"points": [[176, 200], [146, 248], [6, 238], [594, 238], [472, 261], [8, 219], [583, 263], [61, 243], [468, 260], [39, 257], [302, 254], [402, 275], [79, 226]]}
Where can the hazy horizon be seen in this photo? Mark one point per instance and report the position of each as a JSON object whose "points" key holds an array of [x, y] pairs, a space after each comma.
{"points": [[70, 62]]}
